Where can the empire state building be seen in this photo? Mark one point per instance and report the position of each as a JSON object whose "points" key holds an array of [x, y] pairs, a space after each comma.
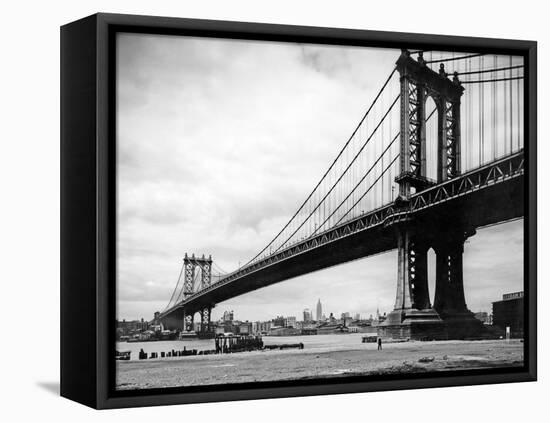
{"points": [[319, 310]]}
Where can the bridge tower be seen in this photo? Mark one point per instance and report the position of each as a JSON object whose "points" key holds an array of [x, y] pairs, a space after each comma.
{"points": [[191, 263], [413, 315]]}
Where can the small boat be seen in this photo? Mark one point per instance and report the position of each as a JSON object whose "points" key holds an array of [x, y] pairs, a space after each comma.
{"points": [[188, 334], [123, 355], [369, 339]]}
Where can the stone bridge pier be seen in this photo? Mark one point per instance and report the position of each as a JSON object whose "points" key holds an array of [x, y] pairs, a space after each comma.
{"points": [[449, 299], [413, 316], [183, 321]]}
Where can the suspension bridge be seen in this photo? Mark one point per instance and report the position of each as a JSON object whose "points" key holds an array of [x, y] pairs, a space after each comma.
{"points": [[437, 155]]}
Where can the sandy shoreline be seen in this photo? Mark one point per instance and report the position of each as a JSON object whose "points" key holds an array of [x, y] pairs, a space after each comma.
{"points": [[364, 359]]}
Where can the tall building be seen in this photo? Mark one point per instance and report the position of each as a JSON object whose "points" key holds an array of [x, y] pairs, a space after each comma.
{"points": [[308, 316], [319, 311], [509, 313]]}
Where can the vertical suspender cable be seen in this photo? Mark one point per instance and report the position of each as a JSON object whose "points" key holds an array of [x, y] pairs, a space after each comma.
{"points": [[354, 170], [494, 111], [505, 115], [482, 111], [511, 118], [390, 131], [468, 123], [498, 142], [382, 149], [472, 126], [345, 181], [479, 117], [519, 129]]}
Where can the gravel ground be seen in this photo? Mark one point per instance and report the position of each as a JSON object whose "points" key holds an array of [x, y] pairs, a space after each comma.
{"points": [[365, 359]]}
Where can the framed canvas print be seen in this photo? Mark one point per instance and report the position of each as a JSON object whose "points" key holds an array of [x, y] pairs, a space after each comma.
{"points": [[256, 211]]}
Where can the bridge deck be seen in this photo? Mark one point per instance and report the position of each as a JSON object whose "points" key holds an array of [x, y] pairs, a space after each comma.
{"points": [[499, 184]]}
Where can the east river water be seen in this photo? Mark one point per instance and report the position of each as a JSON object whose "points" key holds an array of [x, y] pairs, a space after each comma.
{"points": [[311, 343]]}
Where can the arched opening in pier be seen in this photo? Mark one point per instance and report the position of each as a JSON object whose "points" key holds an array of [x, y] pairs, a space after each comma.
{"points": [[431, 275], [432, 128], [197, 321]]}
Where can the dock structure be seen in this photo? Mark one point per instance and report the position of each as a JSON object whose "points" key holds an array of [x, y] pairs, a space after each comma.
{"points": [[237, 343]]}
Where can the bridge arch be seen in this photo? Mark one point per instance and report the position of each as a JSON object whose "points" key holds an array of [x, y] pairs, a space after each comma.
{"points": [[432, 141], [197, 320]]}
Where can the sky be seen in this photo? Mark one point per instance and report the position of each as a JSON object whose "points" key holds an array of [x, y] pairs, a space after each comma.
{"points": [[219, 142]]}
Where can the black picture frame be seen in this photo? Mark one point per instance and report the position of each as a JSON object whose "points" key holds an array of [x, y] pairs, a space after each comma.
{"points": [[88, 209]]}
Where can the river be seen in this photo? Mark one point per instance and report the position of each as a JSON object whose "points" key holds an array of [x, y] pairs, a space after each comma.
{"points": [[311, 343]]}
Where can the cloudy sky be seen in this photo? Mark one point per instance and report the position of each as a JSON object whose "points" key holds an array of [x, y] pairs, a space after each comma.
{"points": [[219, 141]]}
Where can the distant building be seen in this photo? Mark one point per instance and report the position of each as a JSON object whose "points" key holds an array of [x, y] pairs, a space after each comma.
{"points": [[378, 319], [309, 331], [227, 327], [319, 311], [279, 321], [265, 327], [357, 316], [307, 325], [228, 316], [329, 328], [125, 327], [308, 315], [345, 315], [483, 316], [347, 321], [290, 322], [245, 328], [509, 313], [280, 331]]}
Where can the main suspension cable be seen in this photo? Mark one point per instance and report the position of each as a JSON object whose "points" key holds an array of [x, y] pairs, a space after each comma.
{"points": [[175, 289], [341, 176], [366, 192], [330, 167], [451, 59], [482, 81]]}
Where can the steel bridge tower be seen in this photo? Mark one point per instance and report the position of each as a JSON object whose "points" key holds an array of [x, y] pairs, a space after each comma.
{"points": [[204, 265], [413, 316]]}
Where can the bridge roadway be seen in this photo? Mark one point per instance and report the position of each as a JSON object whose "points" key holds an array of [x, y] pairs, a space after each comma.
{"points": [[481, 197]]}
